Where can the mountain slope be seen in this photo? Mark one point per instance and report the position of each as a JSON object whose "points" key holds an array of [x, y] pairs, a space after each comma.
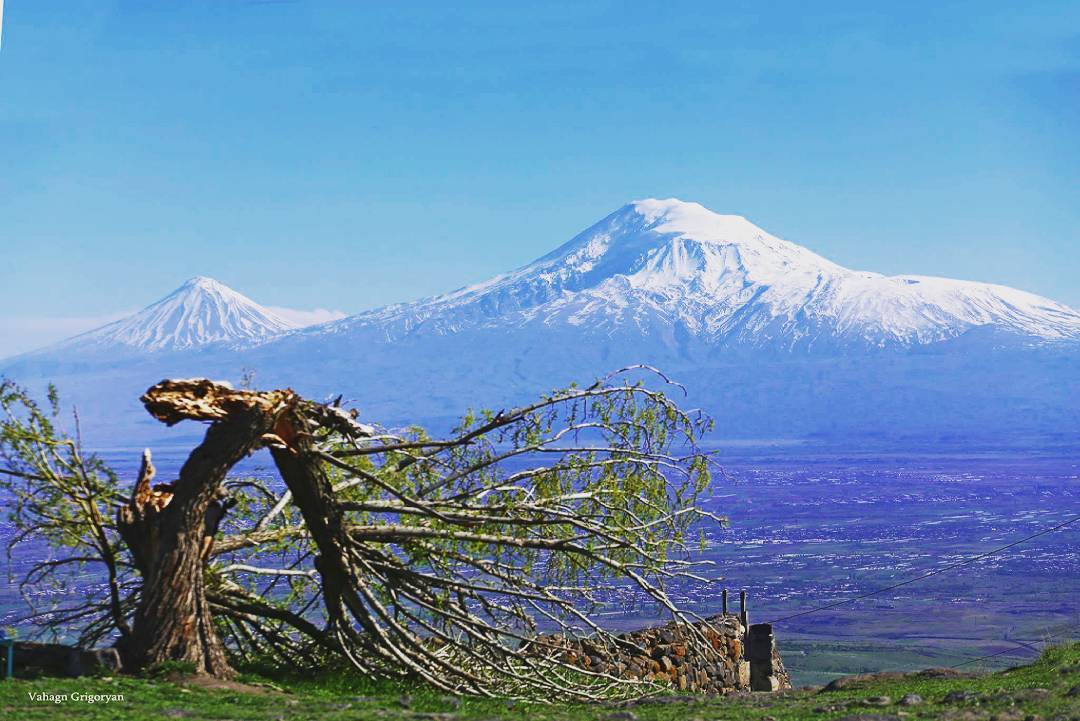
{"points": [[769, 338], [200, 312], [658, 265]]}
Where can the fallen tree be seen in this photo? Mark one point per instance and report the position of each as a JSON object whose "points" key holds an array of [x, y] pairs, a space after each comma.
{"points": [[439, 559]]}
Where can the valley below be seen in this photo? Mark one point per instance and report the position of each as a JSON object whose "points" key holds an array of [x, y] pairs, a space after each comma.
{"points": [[809, 532], [809, 528]]}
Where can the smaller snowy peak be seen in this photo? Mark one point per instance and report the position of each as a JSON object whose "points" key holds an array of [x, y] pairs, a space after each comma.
{"points": [[200, 312]]}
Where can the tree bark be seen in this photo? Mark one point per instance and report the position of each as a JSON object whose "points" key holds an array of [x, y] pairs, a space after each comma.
{"points": [[170, 528], [313, 494]]}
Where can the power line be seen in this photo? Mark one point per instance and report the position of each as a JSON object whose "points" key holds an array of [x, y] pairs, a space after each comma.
{"points": [[1008, 650], [983, 658], [935, 572]]}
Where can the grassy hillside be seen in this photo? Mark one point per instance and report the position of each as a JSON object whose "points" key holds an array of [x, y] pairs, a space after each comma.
{"points": [[1046, 690]]}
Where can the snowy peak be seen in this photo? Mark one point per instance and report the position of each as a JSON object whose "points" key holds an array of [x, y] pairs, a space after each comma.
{"points": [[206, 284], [693, 220], [200, 312], [659, 243], [662, 274], [654, 266], [656, 245]]}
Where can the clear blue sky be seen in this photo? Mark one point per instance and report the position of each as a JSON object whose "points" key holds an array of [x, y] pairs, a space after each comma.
{"points": [[345, 155]]}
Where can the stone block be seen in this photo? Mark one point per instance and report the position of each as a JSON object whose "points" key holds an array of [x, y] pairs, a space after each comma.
{"points": [[760, 642]]}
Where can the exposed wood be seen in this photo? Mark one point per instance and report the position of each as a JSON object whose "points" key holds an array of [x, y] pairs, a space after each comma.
{"points": [[200, 399], [433, 559], [138, 520], [170, 535], [313, 494]]}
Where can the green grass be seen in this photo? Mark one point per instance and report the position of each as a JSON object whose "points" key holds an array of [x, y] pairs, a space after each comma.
{"points": [[1040, 690], [818, 662]]}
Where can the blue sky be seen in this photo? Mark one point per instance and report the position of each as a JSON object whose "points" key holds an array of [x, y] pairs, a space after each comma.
{"points": [[317, 154]]}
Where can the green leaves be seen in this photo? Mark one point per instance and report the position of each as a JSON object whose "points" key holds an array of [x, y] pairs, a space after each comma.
{"points": [[63, 497], [587, 488], [437, 558]]}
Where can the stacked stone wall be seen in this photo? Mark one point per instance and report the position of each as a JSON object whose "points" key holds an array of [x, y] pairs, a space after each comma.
{"points": [[712, 661], [767, 672]]}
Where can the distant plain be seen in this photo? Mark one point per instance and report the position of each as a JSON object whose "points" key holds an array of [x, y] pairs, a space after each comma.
{"points": [[807, 530]]}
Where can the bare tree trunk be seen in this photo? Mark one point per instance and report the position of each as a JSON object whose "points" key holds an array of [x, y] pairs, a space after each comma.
{"points": [[170, 527], [437, 578], [313, 494]]}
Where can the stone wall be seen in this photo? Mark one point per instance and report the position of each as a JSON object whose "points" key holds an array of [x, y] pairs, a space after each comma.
{"points": [[64, 660], [767, 672], [673, 654]]}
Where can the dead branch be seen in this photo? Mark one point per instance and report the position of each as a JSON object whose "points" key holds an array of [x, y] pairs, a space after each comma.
{"points": [[444, 560]]}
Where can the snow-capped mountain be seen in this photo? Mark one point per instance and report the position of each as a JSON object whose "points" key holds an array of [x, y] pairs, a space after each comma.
{"points": [[771, 339], [668, 267], [200, 312]]}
